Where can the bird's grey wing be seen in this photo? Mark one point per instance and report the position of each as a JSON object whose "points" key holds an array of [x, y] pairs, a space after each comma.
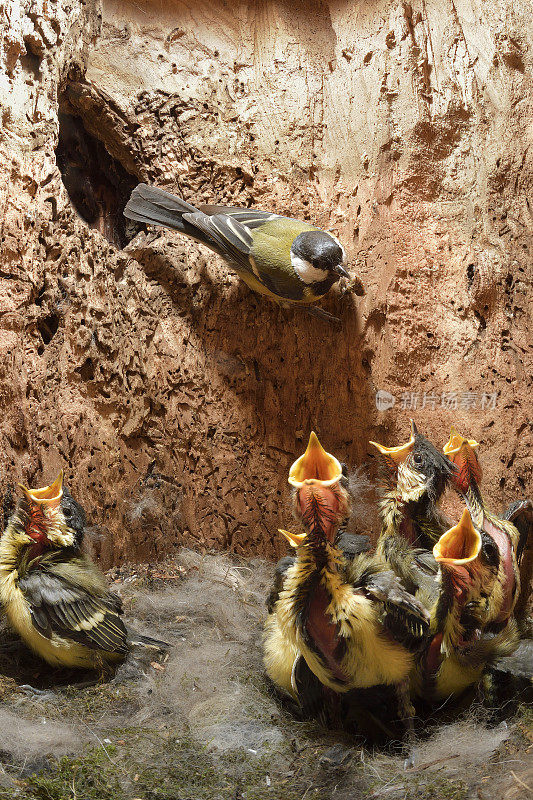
{"points": [[425, 561], [424, 570], [232, 239], [251, 218], [402, 615], [60, 608], [352, 544]]}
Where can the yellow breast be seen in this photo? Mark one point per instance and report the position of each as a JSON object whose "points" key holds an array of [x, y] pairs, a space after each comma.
{"points": [[57, 651]]}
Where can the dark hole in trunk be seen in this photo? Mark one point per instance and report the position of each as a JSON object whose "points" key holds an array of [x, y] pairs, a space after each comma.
{"points": [[48, 327], [97, 184]]}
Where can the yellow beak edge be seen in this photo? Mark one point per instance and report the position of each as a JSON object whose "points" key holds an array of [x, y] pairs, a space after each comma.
{"points": [[294, 539], [48, 496], [455, 442], [459, 545], [315, 466], [400, 453]]}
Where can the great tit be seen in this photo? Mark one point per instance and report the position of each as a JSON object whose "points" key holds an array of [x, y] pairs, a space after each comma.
{"points": [[415, 477], [351, 621], [460, 646], [54, 596], [286, 259], [506, 536]]}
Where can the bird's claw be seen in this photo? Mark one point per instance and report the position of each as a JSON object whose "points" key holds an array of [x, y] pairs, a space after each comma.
{"points": [[321, 314]]}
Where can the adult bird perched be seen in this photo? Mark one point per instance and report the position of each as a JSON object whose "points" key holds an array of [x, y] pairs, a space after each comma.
{"points": [[286, 259], [351, 621], [459, 648], [508, 539], [416, 476], [54, 596]]}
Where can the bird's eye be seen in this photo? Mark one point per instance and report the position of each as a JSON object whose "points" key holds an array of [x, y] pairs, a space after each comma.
{"points": [[67, 513], [417, 458]]}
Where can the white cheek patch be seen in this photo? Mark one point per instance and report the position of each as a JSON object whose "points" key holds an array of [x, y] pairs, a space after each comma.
{"points": [[306, 271]]}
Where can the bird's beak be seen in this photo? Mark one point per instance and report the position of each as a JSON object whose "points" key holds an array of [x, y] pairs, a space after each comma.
{"points": [[48, 496], [455, 443], [460, 545], [294, 539], [342, 271], [400, 453], [315, 467]]}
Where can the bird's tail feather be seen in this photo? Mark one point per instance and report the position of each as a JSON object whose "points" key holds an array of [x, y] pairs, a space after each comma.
{"points": [[157, 207], [138, 639]]}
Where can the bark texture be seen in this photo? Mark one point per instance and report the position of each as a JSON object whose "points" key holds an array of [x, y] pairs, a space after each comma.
{"points": [[176, 399]]}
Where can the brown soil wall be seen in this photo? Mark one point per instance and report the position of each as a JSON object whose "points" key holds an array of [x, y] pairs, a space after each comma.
{"points": [[175, 398]]}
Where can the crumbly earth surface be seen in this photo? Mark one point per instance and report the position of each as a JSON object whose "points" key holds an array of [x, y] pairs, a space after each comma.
{"points": [[174, 397], [201, 723]]}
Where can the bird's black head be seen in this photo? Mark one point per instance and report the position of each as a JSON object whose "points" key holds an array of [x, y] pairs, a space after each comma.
{"points": [[74, 515], [417, 471], [318, 256], [426, 460]]}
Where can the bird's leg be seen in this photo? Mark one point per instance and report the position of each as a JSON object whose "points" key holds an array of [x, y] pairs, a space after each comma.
{"points": [[407, 715], [319, 312]]}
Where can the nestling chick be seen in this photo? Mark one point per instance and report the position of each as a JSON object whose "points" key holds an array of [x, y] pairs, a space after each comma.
{"points": [[504, 534], [460, 648], [53, 595], [351, 621], [416, 478], [285, 259]]}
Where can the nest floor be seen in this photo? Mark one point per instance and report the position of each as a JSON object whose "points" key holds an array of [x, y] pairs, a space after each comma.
{"points": [[201, 722]]}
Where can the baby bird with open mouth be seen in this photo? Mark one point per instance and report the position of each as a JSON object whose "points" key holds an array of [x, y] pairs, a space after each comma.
{"points": [[54, 596], [350, 621], [417, 475], [460, 647], [511, 543]]}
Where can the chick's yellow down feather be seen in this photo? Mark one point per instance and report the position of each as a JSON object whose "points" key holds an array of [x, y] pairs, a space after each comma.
{"points": [[54, 597]]}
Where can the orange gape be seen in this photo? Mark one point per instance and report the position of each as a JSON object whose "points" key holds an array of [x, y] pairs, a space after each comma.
{"points": [[36, 528]]}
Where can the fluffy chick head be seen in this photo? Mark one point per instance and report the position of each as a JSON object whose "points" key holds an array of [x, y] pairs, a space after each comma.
{"points": [[51, 516]]}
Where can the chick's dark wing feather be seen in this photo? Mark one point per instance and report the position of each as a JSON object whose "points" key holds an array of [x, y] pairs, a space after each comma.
{"points": [[251, 218], [73, 613], [402, 615], [425, 561], [313, 696], [352, 544]]}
